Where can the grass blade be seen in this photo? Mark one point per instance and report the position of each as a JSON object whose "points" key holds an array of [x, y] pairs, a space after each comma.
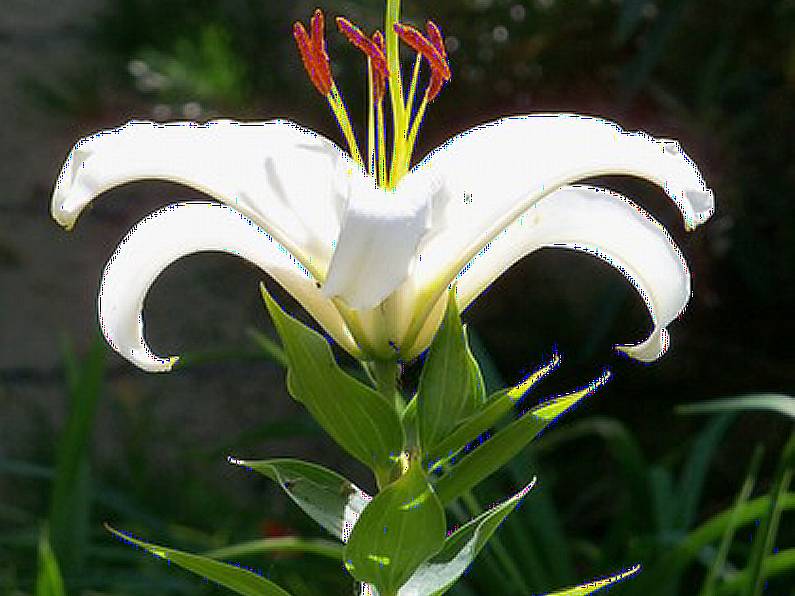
{"points": [[710, 583], [768, 525], [48, 578], [771, 402], [69, 501]]}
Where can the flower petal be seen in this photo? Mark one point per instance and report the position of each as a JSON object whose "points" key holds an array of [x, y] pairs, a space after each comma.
{"points": [[378, 241], [185, 228], [494, 172], [287, 179], [604, 224]]}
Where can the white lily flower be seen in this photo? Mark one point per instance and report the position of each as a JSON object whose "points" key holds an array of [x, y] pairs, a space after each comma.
{"points": [[369, 256]]}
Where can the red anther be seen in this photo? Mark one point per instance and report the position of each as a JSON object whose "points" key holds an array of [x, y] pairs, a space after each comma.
{"points": [[435, 35], [378, 39], [436, 81], [322, 62], [419, 43], [379, 80], [318, 24], [365, 44], [313, 53]]}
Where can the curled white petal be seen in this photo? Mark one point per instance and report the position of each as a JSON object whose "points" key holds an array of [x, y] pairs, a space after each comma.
{"points": [[494, 172], [182, 229], [287, 179], [604, 224], [378, 241]]}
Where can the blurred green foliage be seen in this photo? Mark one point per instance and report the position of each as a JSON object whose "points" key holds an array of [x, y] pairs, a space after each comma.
{"points": [[638, 511], [718, 75]]}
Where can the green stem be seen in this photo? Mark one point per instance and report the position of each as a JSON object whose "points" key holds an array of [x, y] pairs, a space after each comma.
{"points": [[385, 374]]}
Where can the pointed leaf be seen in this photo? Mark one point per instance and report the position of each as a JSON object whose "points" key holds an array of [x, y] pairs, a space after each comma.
{"points": [[446, 394], [439, 573], [357, 417], [783, 404], [70, 496], [597, 585], [472, 427], [48, 578], [495, 408], [506, 444], [280, 545], [237, 579], [325, 496], [402, 527]]}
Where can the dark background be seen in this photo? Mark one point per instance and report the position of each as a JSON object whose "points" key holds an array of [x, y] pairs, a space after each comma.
{"points": [[717, 76]]}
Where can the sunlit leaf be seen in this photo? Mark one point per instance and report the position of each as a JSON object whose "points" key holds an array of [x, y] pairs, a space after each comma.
{"points": [[239, 580], [357, 417], [449, 384], [460, 549], [402, 526], [325, 496], [506, 444], [596, 585]]}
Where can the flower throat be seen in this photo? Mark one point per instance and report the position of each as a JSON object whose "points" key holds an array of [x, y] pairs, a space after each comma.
{"points": [[383, 74]]}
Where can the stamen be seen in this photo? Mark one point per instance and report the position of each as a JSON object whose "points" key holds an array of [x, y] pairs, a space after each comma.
{"points": [[417, 41], [435, 35], [436, 82], [380, 78], [322, 62], [365, 44], [305, 48]]}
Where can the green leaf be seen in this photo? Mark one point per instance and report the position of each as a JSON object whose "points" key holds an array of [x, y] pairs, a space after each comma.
{"points": [[70, 498], [772, 402], [506, 444], [596, 585], [711, 581], [780, 563], [325, 496], [494, 409], [477, 381], [402, 526], [441, 571], [688, 549], [282, 544], [357, 417], [48, 578], [237, 579], [765, 536], [694, 474], [471, 428], [448, 389]]}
